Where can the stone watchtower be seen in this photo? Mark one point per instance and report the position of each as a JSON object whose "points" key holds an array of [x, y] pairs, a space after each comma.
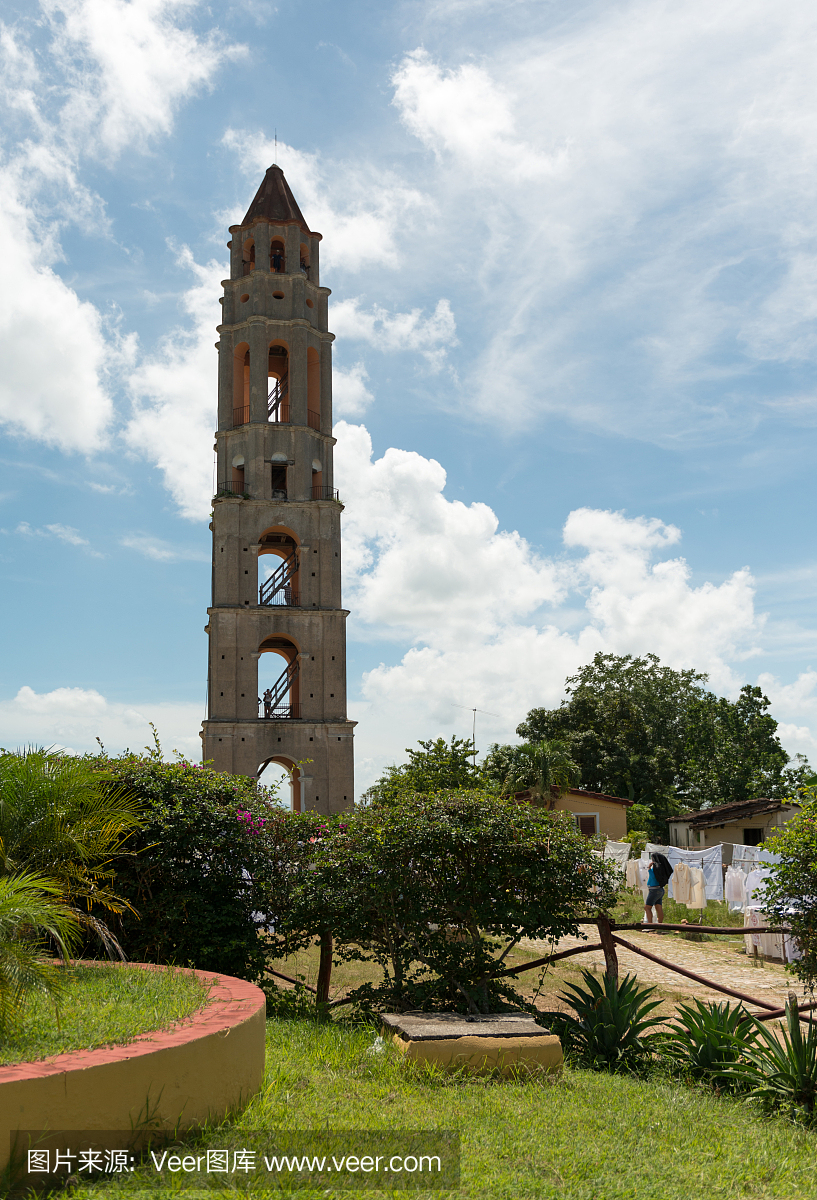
{"points": [[276, 518]]}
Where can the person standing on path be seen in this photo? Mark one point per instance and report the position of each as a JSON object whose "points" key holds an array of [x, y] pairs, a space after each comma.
{"points": [[657, 879]]}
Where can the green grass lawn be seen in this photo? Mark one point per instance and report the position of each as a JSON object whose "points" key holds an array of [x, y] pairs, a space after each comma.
{"points": [[104, 1005], [585, 1136]]}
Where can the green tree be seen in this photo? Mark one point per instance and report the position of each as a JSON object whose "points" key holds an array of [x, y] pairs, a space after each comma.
{"points": [[438, 888], [61, 819], [539, 768], [658, 737], [438, 766], [732, 750]]}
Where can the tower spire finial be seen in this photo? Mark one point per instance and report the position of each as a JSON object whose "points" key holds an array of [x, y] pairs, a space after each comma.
{"points": [[275, 159]]}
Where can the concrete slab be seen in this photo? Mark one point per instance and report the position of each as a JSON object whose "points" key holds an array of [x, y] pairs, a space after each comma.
{"points": [[507, 1042], [426, 1026]]}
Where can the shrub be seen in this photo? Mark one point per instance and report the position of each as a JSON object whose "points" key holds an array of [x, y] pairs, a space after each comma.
{"points": [[709, 1040], [62, 819], [611, 1029], [32, 916], [215, 868], [437, 889], [790, 894], [781, 1073]]}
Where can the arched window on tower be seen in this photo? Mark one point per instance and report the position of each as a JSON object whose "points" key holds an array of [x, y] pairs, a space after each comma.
{"points": [[241, 384], [313, 389], [304, 264], [277, 257], [278, 393], [278, 566], [248, 256], [278, 684], [283, 772]]}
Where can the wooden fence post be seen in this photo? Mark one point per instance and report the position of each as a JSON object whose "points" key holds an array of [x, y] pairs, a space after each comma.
{"points": [[608, 945]]}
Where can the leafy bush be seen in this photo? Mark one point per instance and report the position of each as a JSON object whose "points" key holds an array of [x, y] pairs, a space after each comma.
{"points": [[32, 915], [781, 1073], [62, 819], [215, 868], [611, 1029], [290, 1004], [790, 894], [709, 1040], [438, 889]]}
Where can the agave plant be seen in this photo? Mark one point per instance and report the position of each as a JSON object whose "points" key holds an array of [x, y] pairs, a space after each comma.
{"points": [[781, 1071], [612, 1029], [31, 913], [62, 820], [709, 1040]]}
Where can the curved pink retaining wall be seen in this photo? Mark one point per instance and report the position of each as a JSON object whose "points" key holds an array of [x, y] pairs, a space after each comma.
{"points": [[210, 1064]]}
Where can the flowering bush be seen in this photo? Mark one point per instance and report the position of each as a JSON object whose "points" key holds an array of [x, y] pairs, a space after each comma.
{"points": [[214, 871]]}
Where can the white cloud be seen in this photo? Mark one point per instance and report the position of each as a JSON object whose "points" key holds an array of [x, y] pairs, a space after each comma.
{"points": [[111, 74], [55, 353], [73, 717], [128, 65], [162, 551], [390, 332], [350, 396], [63, 533], [496, 625], [639, 178], [466, 113], [361, 211], [175, 396]]}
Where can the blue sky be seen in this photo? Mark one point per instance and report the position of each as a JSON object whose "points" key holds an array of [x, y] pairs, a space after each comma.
{"points": [[574, 269]]}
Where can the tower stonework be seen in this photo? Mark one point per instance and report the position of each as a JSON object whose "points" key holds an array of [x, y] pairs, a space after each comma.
{"points": [[276, 517]]}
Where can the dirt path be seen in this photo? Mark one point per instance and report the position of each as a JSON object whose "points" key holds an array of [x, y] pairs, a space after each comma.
{"points": [[719, 960]]}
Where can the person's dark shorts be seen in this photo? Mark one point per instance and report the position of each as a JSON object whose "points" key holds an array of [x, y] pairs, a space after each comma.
{"points": [[654, 896]]}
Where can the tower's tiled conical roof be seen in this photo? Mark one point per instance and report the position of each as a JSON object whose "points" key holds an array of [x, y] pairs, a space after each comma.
{"points": [[275, 201]]}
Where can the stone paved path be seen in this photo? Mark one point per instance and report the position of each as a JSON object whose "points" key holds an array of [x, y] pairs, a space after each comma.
{"points": [[718, 960]]}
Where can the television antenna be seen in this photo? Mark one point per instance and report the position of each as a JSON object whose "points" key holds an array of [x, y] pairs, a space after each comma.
{"points": [[485, 713]]}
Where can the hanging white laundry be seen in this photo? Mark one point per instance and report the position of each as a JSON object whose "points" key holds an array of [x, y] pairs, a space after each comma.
{"points": [[709, 860], [617, 852], [756, 885], [735, 886], [697, 897], [748, 858], [770, 945], [633, 873], [751, 920], [682, 883], [644, 875]]}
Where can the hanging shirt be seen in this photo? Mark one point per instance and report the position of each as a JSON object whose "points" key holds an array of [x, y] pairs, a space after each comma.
{"points": [[735, 887], [756, 885], [697, 897], [682, 883], [633, 874]]}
